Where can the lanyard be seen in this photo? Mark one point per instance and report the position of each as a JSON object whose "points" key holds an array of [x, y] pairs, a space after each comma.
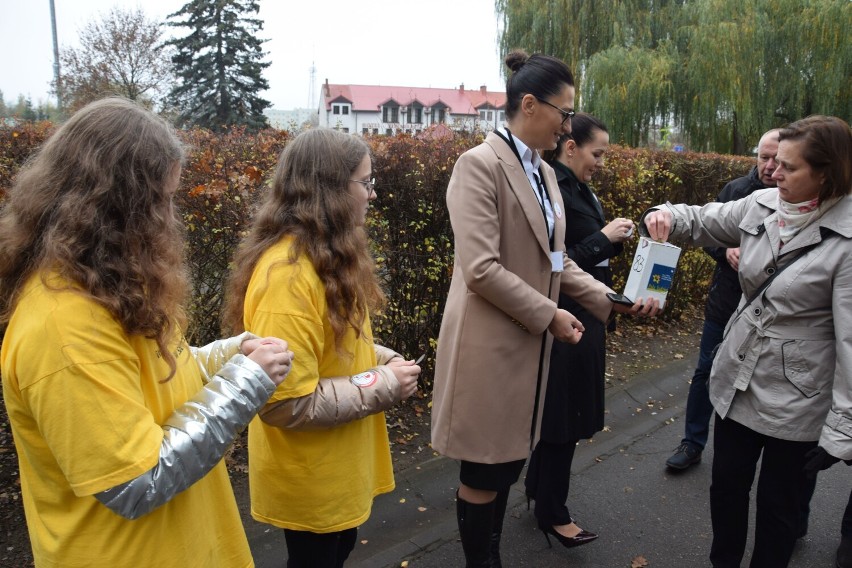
{"points": [[539, 186]]}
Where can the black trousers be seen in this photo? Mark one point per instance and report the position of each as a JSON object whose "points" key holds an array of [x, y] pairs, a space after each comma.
{"points": [[307, 549], [780, 490], [846, 523], [548, 480]]}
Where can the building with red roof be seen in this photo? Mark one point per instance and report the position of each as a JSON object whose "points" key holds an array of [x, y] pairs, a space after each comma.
{"points": [[375, 109]]}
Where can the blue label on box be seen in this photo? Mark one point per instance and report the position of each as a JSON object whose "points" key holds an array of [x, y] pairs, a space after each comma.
{"points": [[661, 278]]}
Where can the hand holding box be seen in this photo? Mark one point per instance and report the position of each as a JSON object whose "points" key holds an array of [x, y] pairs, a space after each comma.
{"points": [[652, 271]]}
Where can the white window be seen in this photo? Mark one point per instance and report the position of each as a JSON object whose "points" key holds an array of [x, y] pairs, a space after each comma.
{"points": [[335, 109]]}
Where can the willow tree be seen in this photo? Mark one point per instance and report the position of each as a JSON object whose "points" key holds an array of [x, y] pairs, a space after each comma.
{"points": [[636, 102], [574, 30], [720, 71]]}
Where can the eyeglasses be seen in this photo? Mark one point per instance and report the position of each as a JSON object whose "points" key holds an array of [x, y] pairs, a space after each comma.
{"points": [[370, 185], [566, 114]]}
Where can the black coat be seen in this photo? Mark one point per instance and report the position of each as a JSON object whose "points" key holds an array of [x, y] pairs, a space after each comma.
{"points": [[725, 291], [574, 405]]}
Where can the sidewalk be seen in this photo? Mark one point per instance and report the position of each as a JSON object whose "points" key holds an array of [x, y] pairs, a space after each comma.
{"points": [[620, 489]]}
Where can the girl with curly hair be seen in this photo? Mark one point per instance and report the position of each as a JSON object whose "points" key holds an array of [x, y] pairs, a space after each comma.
{"points": [[120, 426], [319, 451]]}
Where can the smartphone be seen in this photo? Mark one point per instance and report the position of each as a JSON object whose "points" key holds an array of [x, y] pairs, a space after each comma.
{"points": [[619, 299]]}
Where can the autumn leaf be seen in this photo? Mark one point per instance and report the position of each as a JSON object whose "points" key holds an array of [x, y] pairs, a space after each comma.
{"points": [[253, 173], [639, 562]]}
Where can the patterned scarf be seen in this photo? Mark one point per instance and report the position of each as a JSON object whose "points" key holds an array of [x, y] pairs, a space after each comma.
{"points": [[793, 217]]}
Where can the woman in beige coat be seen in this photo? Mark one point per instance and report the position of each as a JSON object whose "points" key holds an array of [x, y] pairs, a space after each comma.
{"points": [[510, 265], [781, 382]]}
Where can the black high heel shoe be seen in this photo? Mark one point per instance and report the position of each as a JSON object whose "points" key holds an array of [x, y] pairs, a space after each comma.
{"points": [[530, 497], [583, 537]]}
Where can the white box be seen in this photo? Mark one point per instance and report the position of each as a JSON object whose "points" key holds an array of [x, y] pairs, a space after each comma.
{"points": [[652, 271]]}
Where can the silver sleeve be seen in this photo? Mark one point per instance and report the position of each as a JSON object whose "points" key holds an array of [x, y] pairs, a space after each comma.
{"points": [[213, 356], [195, 437]]}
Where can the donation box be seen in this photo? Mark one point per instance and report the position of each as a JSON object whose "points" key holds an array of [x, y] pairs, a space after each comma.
{"points": [[652, 271]]}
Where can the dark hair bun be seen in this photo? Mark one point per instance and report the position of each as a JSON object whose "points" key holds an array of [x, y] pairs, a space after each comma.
{"points": [[516, 59]]}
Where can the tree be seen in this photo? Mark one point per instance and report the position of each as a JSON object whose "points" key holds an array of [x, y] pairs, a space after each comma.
{"points": [[23, 109], [220, 65], [119, 54], [720, 71]]}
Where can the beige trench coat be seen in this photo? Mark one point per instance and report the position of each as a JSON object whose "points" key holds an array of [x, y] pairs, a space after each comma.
{"points": [[784, 368], [493, 349]]}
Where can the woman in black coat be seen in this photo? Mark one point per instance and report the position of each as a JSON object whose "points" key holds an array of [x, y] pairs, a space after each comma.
{"points": [[574, 404]]}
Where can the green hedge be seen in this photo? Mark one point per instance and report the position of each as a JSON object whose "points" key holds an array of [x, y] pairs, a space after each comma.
{"points": [[225, 174]]}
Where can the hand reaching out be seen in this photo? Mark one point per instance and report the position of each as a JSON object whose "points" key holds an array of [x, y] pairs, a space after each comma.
{"points": [[659, 224], [649, 308]]}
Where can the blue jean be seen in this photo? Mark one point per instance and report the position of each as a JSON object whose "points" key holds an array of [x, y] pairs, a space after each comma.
{"points": [[698, 407]]}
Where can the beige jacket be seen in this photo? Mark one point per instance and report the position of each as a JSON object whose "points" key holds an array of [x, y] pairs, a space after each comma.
{"points": [[493, 351], [338, 400], [784, 368]]}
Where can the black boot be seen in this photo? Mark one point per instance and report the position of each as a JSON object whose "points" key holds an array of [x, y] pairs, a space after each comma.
{"points": [[475, 525], [497, 528]]}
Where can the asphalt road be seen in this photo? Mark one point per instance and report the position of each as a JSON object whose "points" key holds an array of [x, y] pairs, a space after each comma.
{"points": [[620, 489]]}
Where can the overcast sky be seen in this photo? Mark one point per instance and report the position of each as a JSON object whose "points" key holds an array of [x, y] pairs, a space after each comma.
{"points": [[439, 43]]}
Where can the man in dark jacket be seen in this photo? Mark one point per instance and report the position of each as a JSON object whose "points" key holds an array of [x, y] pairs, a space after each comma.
{"points": [[722, 301]]}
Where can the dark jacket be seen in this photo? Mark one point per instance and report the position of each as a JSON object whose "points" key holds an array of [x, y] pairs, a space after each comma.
{"points": [[574, 404], [725, 291]]}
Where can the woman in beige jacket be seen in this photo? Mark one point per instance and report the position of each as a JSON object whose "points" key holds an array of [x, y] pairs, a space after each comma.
{"points": [[510, 265], [781, 382]]}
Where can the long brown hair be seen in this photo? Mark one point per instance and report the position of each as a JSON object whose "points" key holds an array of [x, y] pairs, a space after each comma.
{"points": [[92, 206], [310, 201]]}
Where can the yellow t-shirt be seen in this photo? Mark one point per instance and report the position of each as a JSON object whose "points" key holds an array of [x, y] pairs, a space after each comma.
{"points": [[321, 480], [85, 402]]}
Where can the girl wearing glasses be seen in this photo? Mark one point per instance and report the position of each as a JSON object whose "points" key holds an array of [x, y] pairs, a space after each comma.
{"points": [[510, 265], [319, 450]]}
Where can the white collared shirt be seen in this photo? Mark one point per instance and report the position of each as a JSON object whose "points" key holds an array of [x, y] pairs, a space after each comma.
{"points": [[532, 162]]}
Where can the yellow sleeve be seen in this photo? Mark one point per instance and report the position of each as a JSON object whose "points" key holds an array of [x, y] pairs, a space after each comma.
{"points": [[288, 301], [82, 383]]}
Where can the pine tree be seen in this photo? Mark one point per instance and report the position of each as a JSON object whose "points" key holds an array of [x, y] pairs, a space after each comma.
{"points": [[219, 64]]}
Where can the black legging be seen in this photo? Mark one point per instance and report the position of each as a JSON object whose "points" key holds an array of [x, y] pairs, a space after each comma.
{"points": [[313, 550]]}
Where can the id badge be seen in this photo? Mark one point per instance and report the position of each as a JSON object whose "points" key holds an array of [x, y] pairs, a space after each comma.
{"points": [[556, 261]]}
